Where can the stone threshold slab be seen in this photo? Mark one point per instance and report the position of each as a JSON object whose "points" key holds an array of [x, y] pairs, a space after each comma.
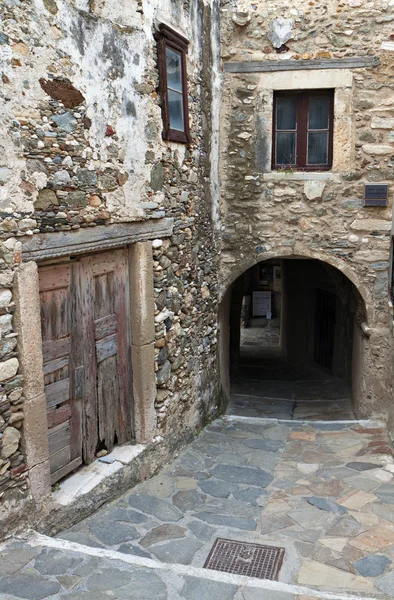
{"points": [[90, 477], [296, 422], [37, 540]]}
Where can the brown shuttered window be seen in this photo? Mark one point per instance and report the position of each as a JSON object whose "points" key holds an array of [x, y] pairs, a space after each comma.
{"points": [[303, 130], [172, 50]]}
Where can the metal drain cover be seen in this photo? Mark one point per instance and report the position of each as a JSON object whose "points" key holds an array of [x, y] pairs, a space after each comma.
{"points": [[243, 558]]}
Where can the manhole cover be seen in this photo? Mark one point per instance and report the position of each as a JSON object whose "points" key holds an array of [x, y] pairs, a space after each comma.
{"points": [[242, 558]]}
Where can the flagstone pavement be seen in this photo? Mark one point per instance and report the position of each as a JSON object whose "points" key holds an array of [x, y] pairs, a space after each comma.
{"points": [[324, 492]]}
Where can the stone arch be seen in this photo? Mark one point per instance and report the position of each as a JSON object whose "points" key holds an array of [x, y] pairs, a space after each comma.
{"points": [[299, 251], [364, 316]]}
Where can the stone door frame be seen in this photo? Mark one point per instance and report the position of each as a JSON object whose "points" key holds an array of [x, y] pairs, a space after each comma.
{"points": [[138, 239]]}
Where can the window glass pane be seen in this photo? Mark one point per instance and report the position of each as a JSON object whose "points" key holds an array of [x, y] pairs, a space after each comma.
{"points": [[318, 112], [175, 110], [318, 148], [286, 112], [285, 148], [174, 72]]}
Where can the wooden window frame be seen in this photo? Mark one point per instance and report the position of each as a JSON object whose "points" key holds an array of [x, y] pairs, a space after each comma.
{"points": [[167, 38], [302, 99]]}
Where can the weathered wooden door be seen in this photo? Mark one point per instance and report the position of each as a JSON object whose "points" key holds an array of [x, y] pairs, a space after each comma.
{"points": [[86, 326], [63, 394]]}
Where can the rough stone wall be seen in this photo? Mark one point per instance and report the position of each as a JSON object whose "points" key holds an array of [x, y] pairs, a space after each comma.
{"points": [[13, 475], [321, 216], [82, 146]]}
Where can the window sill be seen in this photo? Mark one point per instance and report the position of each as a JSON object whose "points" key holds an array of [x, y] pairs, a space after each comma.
{"points": [[301, 176]]}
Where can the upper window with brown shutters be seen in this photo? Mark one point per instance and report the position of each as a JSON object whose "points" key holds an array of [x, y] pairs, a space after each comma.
{"points": [[303, 130], [172, 51]]}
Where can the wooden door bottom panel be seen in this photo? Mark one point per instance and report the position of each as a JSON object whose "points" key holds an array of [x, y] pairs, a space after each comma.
{"points": [[63, 471], [59, 437], [58, 392]]}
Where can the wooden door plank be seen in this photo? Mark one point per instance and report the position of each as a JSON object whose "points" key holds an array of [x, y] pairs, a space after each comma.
{"points": [[58, 415], [59, 437], [106, 348], [107, 399], [54, 349], [63, 471], [58, 392], [84, 290], [121, 295], [54, 277], [55, 365], [103, 263], [77, 374], [59, 459], [105, 326]]}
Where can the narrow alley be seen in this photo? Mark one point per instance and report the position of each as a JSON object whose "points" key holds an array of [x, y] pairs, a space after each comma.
{"points": [[322, 493]]}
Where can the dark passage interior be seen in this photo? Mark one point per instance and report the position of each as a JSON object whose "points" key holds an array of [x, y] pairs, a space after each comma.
{"points": [[293, 341]]}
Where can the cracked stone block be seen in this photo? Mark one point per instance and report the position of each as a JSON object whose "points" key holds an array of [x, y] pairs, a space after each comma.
{"points": [[162, 533], [201, 531], [227, 521], [156, 507], [188, 500], [196, 589], [327, 505], [11, 560], [28, 586], [125, 515], [372, 566], [55, 562], [177, 552], [217, 488], [245, 475], [113, 533], [362, 466], [130, 549]]}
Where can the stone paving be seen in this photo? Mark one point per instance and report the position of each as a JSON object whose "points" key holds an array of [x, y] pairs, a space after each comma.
{"points": [[325, 493], [263, 336], [268, 386]]}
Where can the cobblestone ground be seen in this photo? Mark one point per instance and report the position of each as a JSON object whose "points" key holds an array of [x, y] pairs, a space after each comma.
{"points": [[267, 386], [325, 493]]}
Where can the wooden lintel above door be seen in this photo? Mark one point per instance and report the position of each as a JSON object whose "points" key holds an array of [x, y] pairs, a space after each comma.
{"points": [[42, 246]]}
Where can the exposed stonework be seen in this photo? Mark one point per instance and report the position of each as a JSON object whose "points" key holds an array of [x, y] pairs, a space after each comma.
{"points": [[82, 146], [268, 213]]}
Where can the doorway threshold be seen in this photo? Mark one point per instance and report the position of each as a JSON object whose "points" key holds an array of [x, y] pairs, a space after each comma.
{"points": [[366, 423], [89, 477]]}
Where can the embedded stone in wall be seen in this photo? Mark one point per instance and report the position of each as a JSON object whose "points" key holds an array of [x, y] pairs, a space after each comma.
{"points": [[378, 149], [371, 225], [5, 324], [51, 6], [8, 369], [382, 123], [5, 175], [63, 90], [314, 189], [45, 199], [65, 122], [241, 18], [280, 31], [10, 442], [5, 298]]}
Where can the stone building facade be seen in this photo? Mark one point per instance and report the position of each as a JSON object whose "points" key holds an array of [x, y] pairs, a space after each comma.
{"points": [[287, 213], [87, 183], [85, 172]]}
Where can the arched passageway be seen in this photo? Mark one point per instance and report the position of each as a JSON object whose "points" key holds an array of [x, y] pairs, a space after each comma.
{"points": [[291, 341]]}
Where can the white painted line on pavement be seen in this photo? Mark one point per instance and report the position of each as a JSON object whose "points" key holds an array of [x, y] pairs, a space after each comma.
{"points": [[36, 539]]}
